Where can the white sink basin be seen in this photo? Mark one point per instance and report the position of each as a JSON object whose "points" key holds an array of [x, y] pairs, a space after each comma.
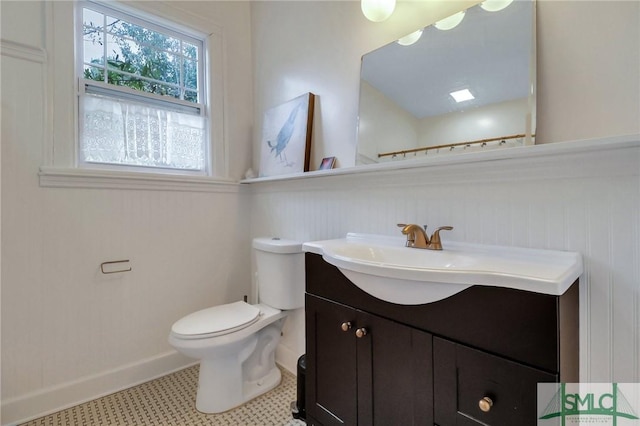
{"points": [[383, 267]]}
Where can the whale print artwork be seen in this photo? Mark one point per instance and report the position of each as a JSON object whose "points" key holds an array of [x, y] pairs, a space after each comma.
{"points": [[286, 137]]}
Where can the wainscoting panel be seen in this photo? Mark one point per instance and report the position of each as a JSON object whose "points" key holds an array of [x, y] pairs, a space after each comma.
{"points": [[69, 332], [577, 199]]}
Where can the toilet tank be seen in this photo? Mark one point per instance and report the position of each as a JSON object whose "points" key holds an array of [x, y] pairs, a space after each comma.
{"points": [[280, 272]]}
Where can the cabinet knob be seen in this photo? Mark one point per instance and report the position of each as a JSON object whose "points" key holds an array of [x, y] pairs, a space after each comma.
{"points": [[485, 404], [361, 332], [346, 326]]}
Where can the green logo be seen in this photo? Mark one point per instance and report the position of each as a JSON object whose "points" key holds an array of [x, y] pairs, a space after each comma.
{"points": [[612, 404]]}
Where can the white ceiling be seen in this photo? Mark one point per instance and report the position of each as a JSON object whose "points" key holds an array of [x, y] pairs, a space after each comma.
{"points": [[488, 53]]}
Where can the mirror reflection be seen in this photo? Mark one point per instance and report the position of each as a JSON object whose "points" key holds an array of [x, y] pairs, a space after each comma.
{"points": [[465, 83]]}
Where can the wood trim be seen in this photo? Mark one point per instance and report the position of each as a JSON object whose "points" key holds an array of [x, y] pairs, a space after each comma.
{"points": [[23, 51], [53, 177]]}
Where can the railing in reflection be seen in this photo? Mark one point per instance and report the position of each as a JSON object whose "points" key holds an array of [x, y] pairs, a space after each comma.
{"points": [[511, 140]]}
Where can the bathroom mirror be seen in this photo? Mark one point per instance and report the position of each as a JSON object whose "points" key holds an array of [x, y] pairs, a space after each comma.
{"points": [[407, 109]]}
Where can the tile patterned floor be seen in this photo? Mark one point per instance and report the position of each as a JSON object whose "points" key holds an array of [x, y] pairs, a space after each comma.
{"points": [[170, 401]]}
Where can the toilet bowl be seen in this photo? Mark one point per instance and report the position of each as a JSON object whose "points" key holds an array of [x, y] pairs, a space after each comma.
{"points": [[236, 342]]}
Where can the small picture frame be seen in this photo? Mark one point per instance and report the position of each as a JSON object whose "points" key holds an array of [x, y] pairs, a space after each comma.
{"points": [[327, 163]]}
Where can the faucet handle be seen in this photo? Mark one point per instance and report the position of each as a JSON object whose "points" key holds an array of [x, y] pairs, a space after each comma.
{"points": [[435, 243], [402, 225]]}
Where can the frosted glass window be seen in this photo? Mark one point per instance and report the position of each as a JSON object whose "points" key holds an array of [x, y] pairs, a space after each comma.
{"points": [[141, 94], [116, 132]]}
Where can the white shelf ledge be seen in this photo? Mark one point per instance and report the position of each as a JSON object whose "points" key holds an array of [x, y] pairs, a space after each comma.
{"points": [[55, 177], [524, 152]]}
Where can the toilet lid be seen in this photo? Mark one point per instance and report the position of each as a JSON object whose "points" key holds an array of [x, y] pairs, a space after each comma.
{"points": [[218, 320]]}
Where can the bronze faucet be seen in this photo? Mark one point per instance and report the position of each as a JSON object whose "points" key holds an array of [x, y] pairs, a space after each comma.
{"points": [[417, 236]]}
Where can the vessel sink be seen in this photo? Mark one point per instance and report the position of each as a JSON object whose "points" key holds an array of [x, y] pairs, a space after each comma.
{"points": [[383, 267]]}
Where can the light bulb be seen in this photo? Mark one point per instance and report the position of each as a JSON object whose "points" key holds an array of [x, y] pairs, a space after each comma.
{"points": [[450, 22], [377, 10], [408, 40], [495, 5]]}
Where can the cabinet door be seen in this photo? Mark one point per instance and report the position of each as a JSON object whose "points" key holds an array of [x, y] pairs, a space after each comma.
{"points": [[464, 376], [365, 370], [395, 373], [331, 395]]}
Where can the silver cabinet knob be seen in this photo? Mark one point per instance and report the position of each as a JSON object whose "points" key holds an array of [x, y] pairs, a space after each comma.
{"points": [[361, 332], [485, 404], [346, 326]]}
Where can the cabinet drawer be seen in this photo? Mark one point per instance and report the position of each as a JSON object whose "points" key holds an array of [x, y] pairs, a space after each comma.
{"points": [[464, 376]]}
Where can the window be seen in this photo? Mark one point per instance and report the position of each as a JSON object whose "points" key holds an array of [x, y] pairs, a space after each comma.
{"points": [[142, 99]]}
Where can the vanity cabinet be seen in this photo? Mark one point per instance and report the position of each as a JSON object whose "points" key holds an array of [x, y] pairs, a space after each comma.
{"points": [[465, 378], [371, 362], [367, 369]]}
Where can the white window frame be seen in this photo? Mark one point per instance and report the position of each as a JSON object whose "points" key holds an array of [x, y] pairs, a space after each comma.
{"points": [[61, 167], [138, 97]]}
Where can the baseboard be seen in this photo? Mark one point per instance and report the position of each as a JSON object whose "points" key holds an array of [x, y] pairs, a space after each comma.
{"points": [[60, 397], [287, 358]]}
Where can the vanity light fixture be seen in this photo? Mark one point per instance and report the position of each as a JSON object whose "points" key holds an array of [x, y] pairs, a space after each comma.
{"points": [[495, 5], [408, 40], [450, 22], [462, 95], [377, 10]]}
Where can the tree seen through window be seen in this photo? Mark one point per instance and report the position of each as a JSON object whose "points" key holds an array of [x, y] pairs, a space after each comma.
{"points": [[138, 58]]}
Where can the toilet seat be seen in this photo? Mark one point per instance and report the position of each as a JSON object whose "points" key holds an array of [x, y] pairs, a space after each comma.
{"points": [[216, 321]]}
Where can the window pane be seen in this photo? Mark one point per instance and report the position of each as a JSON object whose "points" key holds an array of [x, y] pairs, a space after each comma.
{"points": [[143, 35], [123, 54], [191, 96], [93, 46], [125, 133], [130, 81], [128, 57], [161, 66], [190, 51], [91, 18], [93, 73], [190, 74]]}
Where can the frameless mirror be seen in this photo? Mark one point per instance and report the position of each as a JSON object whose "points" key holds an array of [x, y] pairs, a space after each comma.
{"points": [[407, 88]]}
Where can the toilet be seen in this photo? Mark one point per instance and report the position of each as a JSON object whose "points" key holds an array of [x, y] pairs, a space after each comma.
{"points": [[236, 342]]}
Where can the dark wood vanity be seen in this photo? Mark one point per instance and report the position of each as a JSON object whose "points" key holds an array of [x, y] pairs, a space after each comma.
{"points": [[473, 358]]}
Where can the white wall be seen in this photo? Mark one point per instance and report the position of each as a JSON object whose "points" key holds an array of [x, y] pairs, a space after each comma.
{"points": [[504, 118], [383, 125], [587, 78], [588, 87], [69, 332]]}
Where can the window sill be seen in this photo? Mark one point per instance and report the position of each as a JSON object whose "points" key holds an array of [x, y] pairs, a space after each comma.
{"points": [[56, 177]]}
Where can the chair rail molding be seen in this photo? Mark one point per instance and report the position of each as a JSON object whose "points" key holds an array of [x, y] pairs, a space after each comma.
{"points": [[23, 51], [55, 177]]}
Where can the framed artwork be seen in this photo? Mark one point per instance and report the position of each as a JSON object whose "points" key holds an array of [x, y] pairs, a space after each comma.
{"points": [[327, 163], [286, 137]]}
